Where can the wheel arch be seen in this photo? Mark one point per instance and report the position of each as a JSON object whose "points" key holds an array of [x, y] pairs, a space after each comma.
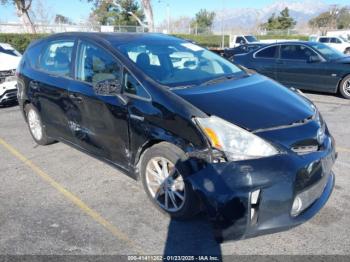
{"points": [[150, 143], [340, 82]]}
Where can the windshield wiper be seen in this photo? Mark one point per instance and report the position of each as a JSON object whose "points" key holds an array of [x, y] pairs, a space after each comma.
{"points": [[181, 87], [222, 79]]}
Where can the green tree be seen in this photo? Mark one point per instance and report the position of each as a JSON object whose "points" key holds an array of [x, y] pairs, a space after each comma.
{"points": [[61, 19], [203, 20], [282, 22], [108, 12]]}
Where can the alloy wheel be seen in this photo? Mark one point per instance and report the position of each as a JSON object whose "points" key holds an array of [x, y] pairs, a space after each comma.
{"points": [[346, 87], [35, 124], [165, 184]]}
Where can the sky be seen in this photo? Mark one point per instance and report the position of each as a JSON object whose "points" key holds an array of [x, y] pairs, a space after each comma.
{"points": [[80, 9]]}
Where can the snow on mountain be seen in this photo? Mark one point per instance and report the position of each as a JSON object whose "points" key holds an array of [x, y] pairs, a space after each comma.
{"points": [[247, 18]]}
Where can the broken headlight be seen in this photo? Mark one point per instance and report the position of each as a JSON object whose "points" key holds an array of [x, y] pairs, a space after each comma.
{"points": [[237, 143]]}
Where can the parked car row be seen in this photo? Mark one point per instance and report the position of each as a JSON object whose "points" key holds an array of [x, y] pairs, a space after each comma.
{"points": [[337, 42], [9, 59], [200, 132], [303, 65]]}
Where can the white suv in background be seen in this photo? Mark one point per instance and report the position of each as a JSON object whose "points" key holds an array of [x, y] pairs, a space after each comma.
{"points": [[337, 42], [9, 60]]}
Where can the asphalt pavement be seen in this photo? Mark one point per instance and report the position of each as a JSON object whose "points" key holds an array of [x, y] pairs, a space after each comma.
{"points": [[55, 200]]}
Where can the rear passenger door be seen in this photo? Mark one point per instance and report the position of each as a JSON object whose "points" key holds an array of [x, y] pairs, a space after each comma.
{"points": [[264, 61], [99, 123], [49, 85]]}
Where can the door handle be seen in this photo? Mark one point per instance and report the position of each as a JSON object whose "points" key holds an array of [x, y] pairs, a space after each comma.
{"points": [[140, 118], [76, 98]]}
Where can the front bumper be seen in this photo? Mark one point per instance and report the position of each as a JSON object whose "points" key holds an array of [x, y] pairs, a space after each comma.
{"points": [[8, 92], [226, 190]]}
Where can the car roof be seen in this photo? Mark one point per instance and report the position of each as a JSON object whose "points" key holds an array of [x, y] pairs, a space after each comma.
{"points": [[117, 38]]}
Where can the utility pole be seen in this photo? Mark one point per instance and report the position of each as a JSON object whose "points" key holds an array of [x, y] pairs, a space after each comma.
{"points": [[167, 14], [223, 25]]}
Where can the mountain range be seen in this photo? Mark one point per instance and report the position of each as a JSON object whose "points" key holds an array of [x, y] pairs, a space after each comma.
{"points": [[248, 18]]}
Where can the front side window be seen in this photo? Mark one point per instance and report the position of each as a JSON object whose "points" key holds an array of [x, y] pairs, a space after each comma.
{"points": [[177, 63], [240, 40], [251, 38], [96, 64], [335, 40], [269, 52], [296, 52], [57, 58], [8, 50]]}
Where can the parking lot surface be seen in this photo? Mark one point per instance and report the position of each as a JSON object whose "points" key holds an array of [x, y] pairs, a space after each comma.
{"points": [[57, 200]]}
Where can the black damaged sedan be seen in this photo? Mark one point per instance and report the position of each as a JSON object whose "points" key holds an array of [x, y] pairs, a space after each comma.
{"points": [[200, 132]]}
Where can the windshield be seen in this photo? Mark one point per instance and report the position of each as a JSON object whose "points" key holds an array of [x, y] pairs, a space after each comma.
{"points": [[9, 50], [344, 39], [178, 63], [251, 38], [327, 52]]}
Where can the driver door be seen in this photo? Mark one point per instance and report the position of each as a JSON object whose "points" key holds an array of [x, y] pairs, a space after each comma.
{"points": [[296, 68], [99, 122]]}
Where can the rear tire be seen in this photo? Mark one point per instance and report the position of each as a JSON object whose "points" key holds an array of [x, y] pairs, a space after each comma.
{"points": [[347, 51], [36, 128], [163, 183], [344, 87]]}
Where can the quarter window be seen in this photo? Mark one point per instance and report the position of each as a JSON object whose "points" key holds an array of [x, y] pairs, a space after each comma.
{"points": [[96, 64], [133, 87], [57, 58], [269, 52]]}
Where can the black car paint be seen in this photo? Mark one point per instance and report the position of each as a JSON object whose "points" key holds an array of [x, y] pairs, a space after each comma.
{"points": [[242, 49], [239, 98], [128, 125], [324, 75]]}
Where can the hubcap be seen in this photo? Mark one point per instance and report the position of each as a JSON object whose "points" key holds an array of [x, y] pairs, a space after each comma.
{"points": [[165, 184], [34, 124], [346, 87]]}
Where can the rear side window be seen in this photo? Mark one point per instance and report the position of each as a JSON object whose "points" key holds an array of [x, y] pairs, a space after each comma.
{"points": [[269, 52], [95, 64], [324, 40], [57, 57]]}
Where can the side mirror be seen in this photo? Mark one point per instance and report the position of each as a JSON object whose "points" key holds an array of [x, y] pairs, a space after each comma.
{"points": [[109, 87], [314, 59]]}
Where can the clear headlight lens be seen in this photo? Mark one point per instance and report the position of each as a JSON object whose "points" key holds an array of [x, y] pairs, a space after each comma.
{"points": [[235, 142]]}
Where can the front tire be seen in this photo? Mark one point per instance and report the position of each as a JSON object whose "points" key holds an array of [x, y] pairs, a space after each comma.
{"points": [[347, 51], [164, 184], [344, 87], [36, 127]]}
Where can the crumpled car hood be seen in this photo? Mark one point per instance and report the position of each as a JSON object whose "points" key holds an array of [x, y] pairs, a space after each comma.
{"points": [[254, 102]]}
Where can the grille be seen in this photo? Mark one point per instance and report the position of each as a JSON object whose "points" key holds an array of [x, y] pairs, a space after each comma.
{"points": [[302, 150], [4, 74], [8, 96]]}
